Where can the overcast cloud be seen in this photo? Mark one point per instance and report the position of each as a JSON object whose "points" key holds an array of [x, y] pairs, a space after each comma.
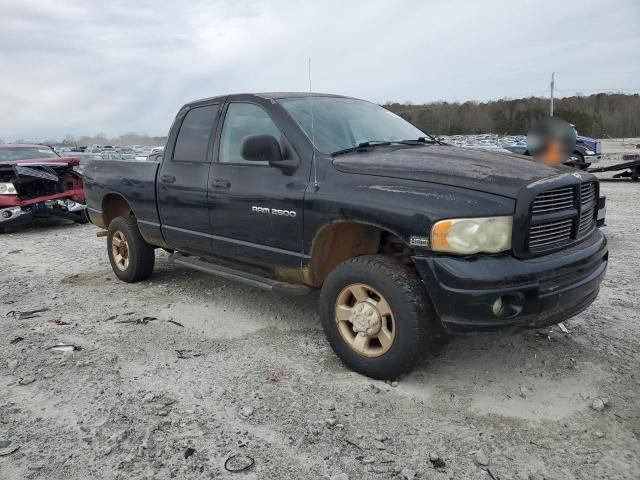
{"points": [[74, 67]]}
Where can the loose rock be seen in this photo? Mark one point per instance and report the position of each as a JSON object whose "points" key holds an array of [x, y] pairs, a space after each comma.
{"points": [[407, 474], [27, 380], [246, 412], [597, 404], [436, 461], [481, 458]]}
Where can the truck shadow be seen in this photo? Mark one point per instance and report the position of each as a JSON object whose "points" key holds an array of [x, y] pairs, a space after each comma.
{"points": [[40, 225]]}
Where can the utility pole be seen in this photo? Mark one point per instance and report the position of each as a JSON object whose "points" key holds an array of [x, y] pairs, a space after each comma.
{"points": [[551, 99]]}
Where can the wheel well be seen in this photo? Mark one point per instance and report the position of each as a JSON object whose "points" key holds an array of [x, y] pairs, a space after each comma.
{"points": [[113, 205], [337, 242]]}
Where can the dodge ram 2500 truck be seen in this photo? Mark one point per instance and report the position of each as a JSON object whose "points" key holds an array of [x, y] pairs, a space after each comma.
{"points": [[403, 235]]}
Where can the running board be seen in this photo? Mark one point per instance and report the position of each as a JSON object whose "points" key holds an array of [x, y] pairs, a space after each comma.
{"points": [[292, 289]]}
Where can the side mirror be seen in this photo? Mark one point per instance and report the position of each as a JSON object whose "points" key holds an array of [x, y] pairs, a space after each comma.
{"points": [[261, 148], [265, 148]]}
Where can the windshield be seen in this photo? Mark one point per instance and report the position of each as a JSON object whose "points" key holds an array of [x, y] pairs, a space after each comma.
{"points": [[25, 153], [341, 123]]}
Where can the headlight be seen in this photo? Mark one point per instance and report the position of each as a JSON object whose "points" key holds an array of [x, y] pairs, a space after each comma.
{"points": [[590, 152], [472, 235], [7, 189]]}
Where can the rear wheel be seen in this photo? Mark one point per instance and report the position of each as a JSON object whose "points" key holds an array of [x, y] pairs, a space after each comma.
{"points": [[376, 315], [132, 259]]}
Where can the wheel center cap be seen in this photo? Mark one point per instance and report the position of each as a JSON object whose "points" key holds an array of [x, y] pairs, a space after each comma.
{"points": [[365, 319]]}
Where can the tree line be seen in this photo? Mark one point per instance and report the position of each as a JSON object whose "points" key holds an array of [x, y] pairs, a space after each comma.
{"points": [[599, 116], [126, 140]]}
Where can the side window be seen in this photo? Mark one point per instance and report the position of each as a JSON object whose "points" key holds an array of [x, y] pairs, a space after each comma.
{"points": [[241, 121], [193, 138]]}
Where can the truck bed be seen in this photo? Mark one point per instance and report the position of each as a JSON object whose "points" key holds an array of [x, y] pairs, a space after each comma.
{"points": [[133, 180]]}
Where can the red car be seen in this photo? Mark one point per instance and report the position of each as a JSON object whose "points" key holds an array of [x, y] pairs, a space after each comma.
{"points": [[35, 181]]}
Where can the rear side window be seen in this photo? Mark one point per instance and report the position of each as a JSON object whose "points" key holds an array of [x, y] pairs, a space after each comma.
{"points": [[193, 138]]}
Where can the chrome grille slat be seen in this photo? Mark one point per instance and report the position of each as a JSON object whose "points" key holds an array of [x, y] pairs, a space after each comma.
{"points": [[552, 237], [540, 231], [551, 209], [555, 195], [550, 225], [564, 198], [550, 243]]}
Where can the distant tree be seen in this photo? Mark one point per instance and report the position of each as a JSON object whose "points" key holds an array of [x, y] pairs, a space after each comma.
{"points": [[604, 114]]}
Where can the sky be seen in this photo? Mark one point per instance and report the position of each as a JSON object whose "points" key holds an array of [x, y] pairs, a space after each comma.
{"points": [[87, 67]]}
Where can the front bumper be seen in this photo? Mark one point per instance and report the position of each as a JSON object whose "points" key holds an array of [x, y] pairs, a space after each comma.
{"points": [[23, 214], [11, 215], [589, 159], [540, 291]]}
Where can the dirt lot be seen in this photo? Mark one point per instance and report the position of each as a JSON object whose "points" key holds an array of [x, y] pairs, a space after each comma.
{"points": [[249, 373]]}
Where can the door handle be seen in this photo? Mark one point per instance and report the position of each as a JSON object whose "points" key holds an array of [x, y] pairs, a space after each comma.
{"points": [[167, 179], [220, 183]]}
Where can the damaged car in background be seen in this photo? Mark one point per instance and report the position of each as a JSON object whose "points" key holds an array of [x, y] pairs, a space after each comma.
{"points": [[35, 181]]}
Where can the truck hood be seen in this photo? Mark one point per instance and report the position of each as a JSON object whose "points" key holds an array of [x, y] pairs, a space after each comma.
{"points": [[493, 172]]}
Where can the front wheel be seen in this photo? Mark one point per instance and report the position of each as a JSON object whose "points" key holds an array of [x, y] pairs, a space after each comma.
{"points": [[132, 259], [376, 315]]}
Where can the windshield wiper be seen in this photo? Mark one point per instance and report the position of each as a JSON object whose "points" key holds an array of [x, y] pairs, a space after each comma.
{"points": [[419, 141], [360, 146]]}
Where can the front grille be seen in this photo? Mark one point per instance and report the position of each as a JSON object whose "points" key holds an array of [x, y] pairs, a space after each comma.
{"points": [[550, 233], [598, 147], [559, 218], [587, 193], [586, 222], [553, 200]]}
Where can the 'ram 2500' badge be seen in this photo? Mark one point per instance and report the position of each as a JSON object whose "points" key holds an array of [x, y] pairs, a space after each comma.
{"points": [[274, 211]]}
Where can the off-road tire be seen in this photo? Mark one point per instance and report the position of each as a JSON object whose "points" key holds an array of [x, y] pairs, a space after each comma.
{"points": [[141, 254], [413, 314]]}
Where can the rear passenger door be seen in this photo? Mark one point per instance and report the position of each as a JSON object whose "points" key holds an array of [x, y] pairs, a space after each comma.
{"points": [[182, 181]]}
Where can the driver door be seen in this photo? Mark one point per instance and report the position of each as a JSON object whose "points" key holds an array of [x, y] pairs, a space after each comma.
{"points": [[256, 210]]}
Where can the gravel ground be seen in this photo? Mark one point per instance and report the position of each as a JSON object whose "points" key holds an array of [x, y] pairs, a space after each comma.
{"points": [[250, 374]]}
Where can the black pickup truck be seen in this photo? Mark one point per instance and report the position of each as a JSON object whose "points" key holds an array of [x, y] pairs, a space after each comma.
{"points": [[405, 237]]}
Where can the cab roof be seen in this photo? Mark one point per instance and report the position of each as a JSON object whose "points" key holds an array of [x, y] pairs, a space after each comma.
{"points": [[266, 95]]}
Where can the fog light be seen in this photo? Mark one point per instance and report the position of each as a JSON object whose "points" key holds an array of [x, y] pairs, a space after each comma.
{"points": [[509, 305], [6, 214]]}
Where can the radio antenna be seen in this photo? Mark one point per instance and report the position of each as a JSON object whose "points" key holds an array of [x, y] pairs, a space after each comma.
{"points": [[313, 135]]}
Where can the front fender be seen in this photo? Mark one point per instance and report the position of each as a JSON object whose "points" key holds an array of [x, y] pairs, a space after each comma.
{"points": [[405, 208]]}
